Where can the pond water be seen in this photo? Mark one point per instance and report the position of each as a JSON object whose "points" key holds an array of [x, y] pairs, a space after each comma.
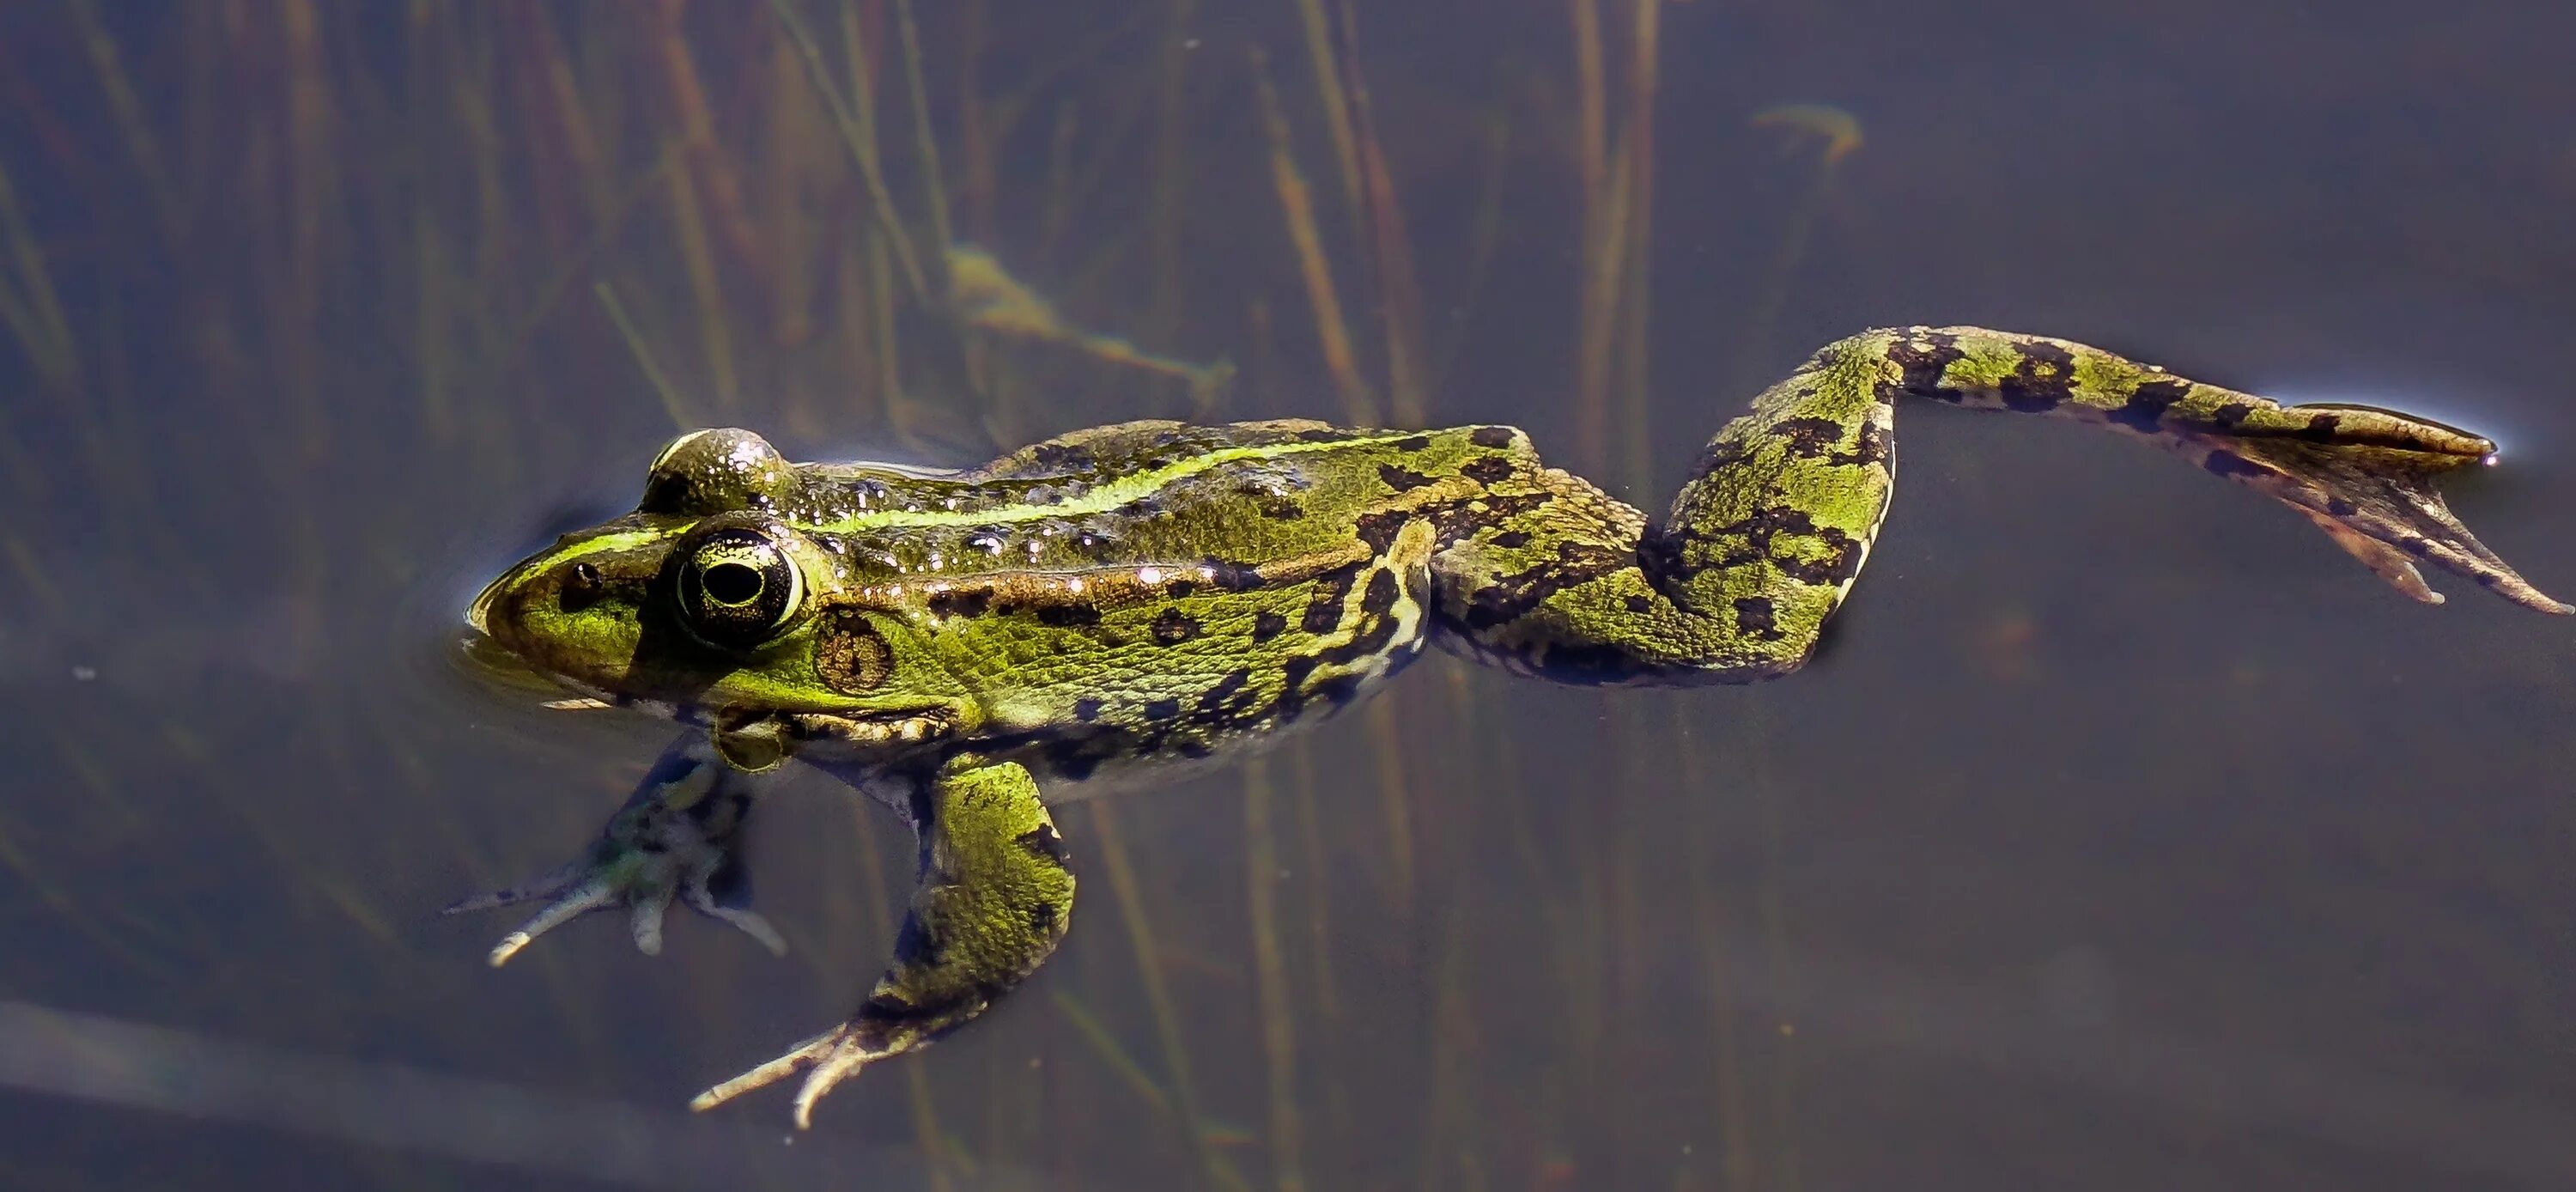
{"points": [[2127, 836]]}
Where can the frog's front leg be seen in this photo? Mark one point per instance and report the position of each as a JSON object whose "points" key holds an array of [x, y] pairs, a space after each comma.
{"points": [[990, 901], [679, 835]]}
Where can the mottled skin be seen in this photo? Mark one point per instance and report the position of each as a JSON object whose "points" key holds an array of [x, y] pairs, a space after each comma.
{"points": [[969, 646]]}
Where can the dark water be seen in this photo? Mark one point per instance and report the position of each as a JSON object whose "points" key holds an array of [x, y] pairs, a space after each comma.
{"points": [[2129, 836]]}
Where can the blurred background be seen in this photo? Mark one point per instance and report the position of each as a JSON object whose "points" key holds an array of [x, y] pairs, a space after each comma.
{"points": [[2127, 836]]}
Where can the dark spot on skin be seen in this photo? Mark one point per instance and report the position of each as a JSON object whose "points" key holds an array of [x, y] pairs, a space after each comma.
{"points": [[1493, 469], [1379, 600], [1379, 529], [1337, 691], [1376, 627], [1589, 664], [1319, 434], [916, 944], [961, 602], [1681, 555], [1512, 596], [1324, 611], [1215, 698], [2039, 382], [1041, 841], [2145, 409], [1192, 748], [1068, 616], [1324, 606], [1400, 479], [1753, 614], [1640, 604], [2227, 416], [1411, 443], [2338, 507], [1056, 456], [1172, 627], [1874, 447], [1163, 709], [2321, 429], [1073, 759], [1086, 709], [1042, 919], [2416, 547], [1281, 509], [1268, 625], [1811, 437], [2228, 463], [1921, 357], [1292, 681], [1491, 436], [1230, 577], [1511, 539], [1179, 588]]}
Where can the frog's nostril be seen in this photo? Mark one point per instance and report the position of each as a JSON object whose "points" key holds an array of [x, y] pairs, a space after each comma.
{"points": [[581, 588]]}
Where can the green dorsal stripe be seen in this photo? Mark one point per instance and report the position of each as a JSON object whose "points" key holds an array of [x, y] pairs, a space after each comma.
{"points": [[1121, 491]]}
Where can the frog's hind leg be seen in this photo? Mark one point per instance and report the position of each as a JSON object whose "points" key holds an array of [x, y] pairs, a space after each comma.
{"points": [[990, 902], [1778, 521], [1738, 579]]}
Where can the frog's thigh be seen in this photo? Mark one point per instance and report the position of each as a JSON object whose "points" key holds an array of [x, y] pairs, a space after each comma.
{"points": [[1733, 585], [1766, 542]]}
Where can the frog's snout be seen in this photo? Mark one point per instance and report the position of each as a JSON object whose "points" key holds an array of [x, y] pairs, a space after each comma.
{"points": [[479, 614], [500, 610]]}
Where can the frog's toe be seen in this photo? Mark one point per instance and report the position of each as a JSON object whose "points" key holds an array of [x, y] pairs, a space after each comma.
{"points": [[644, 881], [749, 922], [573, 892], [830, 1057], [2365, 476]]}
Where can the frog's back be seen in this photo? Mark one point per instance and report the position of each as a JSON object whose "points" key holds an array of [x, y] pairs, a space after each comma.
{"points": [[1162, 494], [1162, 591]]}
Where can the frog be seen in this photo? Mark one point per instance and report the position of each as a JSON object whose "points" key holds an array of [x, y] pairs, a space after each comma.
{"points": [[1117, 605]]}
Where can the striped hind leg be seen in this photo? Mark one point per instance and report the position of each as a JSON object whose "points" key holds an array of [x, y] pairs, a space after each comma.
{"points": [[1738, 579]]}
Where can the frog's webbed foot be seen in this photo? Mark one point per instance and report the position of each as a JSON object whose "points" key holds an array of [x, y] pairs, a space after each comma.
{"points": [[679, 836], [2365, 476], [987, 908]]}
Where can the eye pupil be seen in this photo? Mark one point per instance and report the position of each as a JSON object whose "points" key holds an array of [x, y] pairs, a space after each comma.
{"points": [[738, 589], [731, 583]]}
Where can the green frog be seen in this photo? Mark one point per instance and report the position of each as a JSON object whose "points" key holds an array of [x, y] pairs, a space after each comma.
{"points": [[971, 646]]}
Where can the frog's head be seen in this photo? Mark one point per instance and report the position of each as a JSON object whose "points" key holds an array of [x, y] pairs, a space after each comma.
{"points": [[710, 595]]}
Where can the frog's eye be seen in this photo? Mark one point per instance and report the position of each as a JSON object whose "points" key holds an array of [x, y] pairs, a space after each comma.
{"points": [[716, 471], [738, 589]]}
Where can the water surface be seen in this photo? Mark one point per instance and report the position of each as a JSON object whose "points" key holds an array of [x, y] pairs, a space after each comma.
{"points": [[2128, 835]]}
